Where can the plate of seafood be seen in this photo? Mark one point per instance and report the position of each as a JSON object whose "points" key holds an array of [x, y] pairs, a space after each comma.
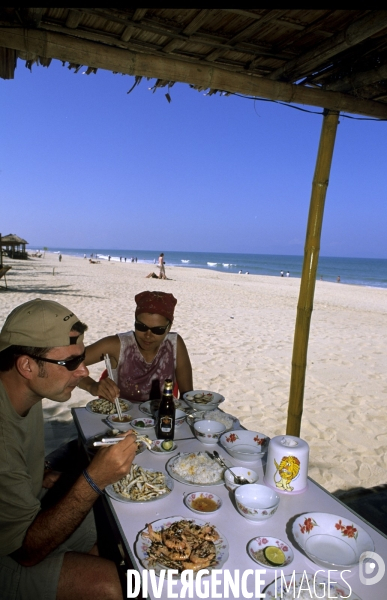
{"points": [[306, 586], [100, 406], [195, 468], [180, 543], [140, 486], [200, 399]]}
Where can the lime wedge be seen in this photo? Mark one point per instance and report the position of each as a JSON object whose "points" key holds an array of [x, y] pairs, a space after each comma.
{"points": [[167, 444], [274, 556]]}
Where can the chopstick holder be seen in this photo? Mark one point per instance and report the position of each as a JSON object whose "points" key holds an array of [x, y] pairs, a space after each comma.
{"points": [[110, 373]]}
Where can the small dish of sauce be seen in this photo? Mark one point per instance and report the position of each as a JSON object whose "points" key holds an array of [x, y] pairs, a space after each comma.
{"points": [[203, 502]]}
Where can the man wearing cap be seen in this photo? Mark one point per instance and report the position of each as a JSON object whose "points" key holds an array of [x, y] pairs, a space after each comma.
{"points": [[48, 553]]}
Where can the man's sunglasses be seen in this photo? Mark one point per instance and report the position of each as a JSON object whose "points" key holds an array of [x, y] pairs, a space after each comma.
{"points": [[71, 364], [156, 330]]}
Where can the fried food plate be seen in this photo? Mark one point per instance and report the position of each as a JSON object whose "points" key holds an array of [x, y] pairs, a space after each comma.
{"points": [[99, 406], [143, 544], [169, 484]]}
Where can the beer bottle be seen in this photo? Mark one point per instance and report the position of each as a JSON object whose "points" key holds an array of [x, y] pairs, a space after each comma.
{"points": [[166, 418]]}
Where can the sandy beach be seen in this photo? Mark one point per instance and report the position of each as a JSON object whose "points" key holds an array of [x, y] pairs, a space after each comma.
{"points": [[239, 333]]}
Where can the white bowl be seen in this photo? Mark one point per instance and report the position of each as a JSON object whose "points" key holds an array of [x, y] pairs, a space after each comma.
{"points": [[256, 547], [124, 425], [203, 498], [157, 449], [202, 403], [244, 445], [148, 424], [256, 502], [248, 474], [331, 541], [180, 417], [208, 432]]}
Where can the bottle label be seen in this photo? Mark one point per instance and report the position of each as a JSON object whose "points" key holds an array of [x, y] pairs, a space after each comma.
{"points": [[166, 424]]}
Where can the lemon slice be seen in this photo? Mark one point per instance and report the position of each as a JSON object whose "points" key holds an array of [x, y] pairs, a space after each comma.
{"points": [[274, 555], [167, 444]]}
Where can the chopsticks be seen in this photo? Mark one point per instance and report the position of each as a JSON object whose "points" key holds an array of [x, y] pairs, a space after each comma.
{"points": [[110, 373], [108, 441]]}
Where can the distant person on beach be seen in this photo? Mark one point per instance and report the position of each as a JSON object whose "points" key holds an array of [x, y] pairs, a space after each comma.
{"points": [[161, 266], [282, 273], [287, 274], [144, 358], [60, 258], [48, 549], [109, 257], [338, 279]]}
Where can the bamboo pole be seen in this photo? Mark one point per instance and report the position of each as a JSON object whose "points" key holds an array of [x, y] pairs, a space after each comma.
{"points": [[309, 271]]}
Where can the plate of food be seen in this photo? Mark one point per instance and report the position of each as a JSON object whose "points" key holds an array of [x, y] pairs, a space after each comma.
{"points": [[140, 486], [100, 406], [162, 446], [195, 468], [270, 552], [142, 424], [204, 546], [306, 586], [200, 399]]}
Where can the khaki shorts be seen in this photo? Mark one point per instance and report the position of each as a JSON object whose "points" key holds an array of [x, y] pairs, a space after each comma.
{"points": [[41, 581]]}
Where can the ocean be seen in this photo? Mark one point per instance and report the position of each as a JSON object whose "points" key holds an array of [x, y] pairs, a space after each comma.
{"points": [[356, 271]]}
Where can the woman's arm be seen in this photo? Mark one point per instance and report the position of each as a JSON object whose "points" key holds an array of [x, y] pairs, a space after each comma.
{"points": [[183, 367], [106, 388]]}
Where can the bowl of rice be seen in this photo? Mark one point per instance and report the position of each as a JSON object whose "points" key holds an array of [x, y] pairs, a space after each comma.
{"points": [[220, 416], [195, 468]]}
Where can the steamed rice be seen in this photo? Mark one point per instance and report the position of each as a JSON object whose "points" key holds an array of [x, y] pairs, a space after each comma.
{"points": [[197, 468], [221, 417]]}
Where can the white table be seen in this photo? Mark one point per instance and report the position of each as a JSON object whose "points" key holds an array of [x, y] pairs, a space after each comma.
{"points": [[131, 518]]}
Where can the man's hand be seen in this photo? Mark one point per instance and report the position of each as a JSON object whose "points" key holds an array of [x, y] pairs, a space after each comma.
{"points": [[112, 463]]}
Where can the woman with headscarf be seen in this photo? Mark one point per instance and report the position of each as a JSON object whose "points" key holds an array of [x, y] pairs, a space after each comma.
{"points": [[142, 359]]}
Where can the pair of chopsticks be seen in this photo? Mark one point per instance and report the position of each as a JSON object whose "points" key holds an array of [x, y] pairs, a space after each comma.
{"points": [[110, 373], [108, 441]]}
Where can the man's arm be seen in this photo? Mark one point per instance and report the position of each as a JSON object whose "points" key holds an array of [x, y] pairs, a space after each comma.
{"points": [[53, 526]]}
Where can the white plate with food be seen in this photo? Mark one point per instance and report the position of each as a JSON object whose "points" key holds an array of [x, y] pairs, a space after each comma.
{"points": [[200, 399], [141, 486], [100, 406], [144, 424], [270, 552], [162, 446], [195, 468], [306, 586], [154, 553]]}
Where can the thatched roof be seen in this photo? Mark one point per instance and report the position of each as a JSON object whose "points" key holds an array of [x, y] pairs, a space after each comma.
{"points": [[12, 240], [336, 59]]}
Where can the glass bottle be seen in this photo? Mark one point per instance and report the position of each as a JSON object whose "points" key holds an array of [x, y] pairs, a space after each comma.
{"points": [[165, 429]]}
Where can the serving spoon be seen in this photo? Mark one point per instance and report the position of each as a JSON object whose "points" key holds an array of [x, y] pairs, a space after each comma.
{"points": [[238, 479]]}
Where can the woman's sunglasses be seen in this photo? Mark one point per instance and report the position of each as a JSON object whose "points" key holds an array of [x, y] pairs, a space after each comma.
{"points": [[144, 328], [71, 364]]}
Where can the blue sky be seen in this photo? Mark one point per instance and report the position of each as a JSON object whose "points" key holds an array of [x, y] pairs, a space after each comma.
{"points": [[84, 164]]}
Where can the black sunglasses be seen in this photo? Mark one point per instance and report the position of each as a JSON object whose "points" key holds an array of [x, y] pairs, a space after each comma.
{"points": [[156, 330], [71, 364]]}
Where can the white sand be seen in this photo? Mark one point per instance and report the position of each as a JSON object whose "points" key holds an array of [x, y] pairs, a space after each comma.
{"points": [[239, 333]]}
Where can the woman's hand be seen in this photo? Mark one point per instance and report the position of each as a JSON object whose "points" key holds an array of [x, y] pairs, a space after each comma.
{"points": [[106, 388]]}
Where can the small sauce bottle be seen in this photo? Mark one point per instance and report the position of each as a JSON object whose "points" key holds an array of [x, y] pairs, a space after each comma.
{"points": [[165, 429]]}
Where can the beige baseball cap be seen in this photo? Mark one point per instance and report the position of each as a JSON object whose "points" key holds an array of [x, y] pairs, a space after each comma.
{"points": [[39, 323]]}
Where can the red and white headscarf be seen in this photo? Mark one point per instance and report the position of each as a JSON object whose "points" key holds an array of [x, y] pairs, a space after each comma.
{"points": [[158, 303]]}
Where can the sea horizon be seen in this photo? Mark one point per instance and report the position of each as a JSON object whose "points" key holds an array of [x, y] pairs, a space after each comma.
{"points": [[370, 272]]}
